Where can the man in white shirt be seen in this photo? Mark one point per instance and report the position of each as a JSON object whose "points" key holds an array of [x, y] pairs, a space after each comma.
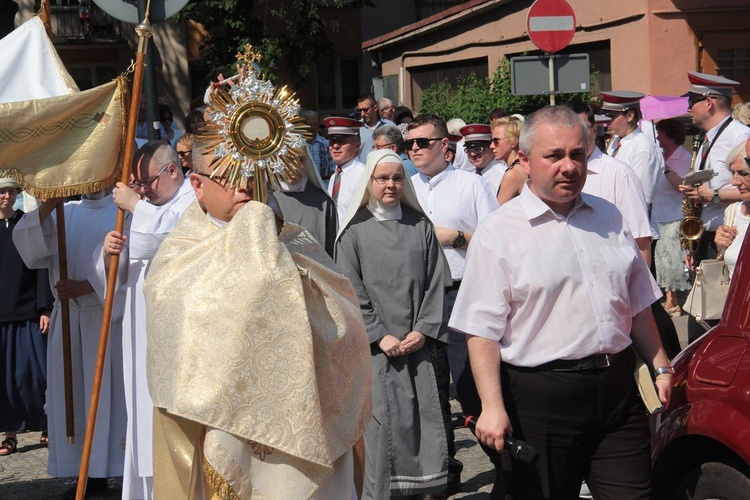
{"points": [[630, 145], [477, 140], [344, 144], [455, 201], [550, 315], [710, 106], [369, 112], [166, 195]]}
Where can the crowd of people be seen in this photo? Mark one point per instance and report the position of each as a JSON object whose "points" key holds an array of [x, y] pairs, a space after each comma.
{"points": [[303, 344]]}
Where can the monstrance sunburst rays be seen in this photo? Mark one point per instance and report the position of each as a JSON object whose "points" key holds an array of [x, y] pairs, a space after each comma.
{"points": [[254, 130]]}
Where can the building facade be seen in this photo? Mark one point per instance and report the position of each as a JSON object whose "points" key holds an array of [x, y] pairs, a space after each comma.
{"points": [[641, 45]]}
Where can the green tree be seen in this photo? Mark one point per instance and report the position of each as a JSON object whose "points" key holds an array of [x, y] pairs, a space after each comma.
{"points": [[472, 98], [290, 34]]}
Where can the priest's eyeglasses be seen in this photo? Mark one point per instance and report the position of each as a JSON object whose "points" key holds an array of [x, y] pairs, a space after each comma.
{"points": [[383, 179], [148, 182]]}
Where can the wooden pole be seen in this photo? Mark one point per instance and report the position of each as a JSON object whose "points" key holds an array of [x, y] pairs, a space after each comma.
{"points": [[62, 254], [144, 32]]}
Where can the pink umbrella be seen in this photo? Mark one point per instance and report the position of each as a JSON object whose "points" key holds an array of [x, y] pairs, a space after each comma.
{"points": [[657, 107]]}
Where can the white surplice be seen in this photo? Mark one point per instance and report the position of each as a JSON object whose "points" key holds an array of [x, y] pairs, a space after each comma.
{"points": [[146, 228], [86, 224]]}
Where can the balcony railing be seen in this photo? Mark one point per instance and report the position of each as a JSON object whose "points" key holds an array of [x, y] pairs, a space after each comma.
{"points": [[70, 26]]}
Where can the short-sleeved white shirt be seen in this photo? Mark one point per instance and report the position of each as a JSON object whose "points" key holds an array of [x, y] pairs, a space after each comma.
{"points": [[616, 182], [644, 157], [736, 132], [351, 172], [547, 286], [493, 175], [667, 204], [457, 199]]}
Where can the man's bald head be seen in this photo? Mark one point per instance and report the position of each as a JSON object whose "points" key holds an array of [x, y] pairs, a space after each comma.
{"points": [[156, 167]]}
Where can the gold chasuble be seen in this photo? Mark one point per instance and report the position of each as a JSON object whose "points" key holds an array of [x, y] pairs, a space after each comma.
{"points": [[256, 340]]}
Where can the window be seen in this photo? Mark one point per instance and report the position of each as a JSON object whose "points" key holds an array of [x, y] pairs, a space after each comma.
{"points": [[423, 77], [337, 84]]}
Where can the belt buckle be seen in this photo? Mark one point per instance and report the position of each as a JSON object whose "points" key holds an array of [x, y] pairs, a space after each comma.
{"points": [[607, 360]]}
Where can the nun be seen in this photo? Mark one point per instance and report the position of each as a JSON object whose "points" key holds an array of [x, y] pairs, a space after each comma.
{"points": [[388, 249]]}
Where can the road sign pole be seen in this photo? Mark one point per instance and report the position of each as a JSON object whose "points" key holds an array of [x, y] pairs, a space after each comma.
{"points": [[551, 80]]}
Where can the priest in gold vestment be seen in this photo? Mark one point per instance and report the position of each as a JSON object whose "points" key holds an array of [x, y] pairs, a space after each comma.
{"points": [[258, 358]]}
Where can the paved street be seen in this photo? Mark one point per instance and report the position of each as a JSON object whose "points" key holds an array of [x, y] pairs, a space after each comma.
{"points": [[23, 475]]}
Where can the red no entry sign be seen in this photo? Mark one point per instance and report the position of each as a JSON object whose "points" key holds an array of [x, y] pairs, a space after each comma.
{"points": [[551, 24]]}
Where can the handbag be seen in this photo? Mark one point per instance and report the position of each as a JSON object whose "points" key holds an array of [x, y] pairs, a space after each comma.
{"points": [[709, 293]]}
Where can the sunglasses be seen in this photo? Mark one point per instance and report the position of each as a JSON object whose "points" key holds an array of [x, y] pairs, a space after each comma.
{"points": [[366, 110], [422, 142], [339, 139], [477, 150], [693, 100]]}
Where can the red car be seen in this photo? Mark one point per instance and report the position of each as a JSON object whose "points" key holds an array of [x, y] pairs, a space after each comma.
{"points": [[701, 447]]}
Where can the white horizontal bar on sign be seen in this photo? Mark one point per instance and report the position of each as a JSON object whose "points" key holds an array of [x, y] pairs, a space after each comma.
{"points": [[551, 23]]}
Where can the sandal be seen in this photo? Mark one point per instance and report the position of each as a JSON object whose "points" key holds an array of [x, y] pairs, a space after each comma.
{"points": [[8, 446], [44, 439]]}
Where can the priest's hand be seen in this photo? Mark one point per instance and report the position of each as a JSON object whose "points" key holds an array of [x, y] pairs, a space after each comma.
{"points": [[412, 342], [48, 206], [391, 346], [125, 197], [70, 289], [114, 243]]}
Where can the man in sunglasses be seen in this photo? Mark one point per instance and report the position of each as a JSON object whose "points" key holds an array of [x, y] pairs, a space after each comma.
{"points": [[344, 144], [369, 113], [710, 106], [477, 139], [158, 177], [455, 201]]}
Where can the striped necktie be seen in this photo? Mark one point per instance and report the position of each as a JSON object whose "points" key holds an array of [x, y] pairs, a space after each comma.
{"points": [[336, 185], [616, 147]]}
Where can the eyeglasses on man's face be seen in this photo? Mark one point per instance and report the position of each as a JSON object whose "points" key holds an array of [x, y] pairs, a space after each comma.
{"points": [[377, 147], [340, 139], [149, 182], [695, 99], [367, 109], [422, 142], [383, 179], [477, 150]]}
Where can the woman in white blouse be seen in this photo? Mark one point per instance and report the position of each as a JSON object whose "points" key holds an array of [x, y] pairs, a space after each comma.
{"points": [[737, 216]]}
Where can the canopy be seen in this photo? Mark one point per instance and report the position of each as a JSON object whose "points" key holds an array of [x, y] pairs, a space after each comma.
{"points": [[658, 107]]}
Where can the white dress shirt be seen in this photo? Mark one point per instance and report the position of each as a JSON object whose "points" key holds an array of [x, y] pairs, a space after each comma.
{"points": [[667, 205], [644, 157], [457, 199], [548, 286], [736, 132], [616, 182], [493, 175], [351, 172]]}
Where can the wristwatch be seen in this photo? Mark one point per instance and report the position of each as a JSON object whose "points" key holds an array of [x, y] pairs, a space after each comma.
{"points": [[716, 200], [460, 240], [663, 370]]}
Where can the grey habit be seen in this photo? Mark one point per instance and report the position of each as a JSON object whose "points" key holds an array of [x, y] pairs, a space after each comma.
{"points": [[312, 209], [396, 267]]}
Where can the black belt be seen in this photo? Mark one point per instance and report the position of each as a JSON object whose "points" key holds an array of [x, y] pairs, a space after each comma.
{"points": [[593, 362], [454, 286]]}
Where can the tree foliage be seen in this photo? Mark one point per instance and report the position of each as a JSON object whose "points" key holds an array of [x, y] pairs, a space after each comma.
{"points": [[291, 34], [472, 98]]}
